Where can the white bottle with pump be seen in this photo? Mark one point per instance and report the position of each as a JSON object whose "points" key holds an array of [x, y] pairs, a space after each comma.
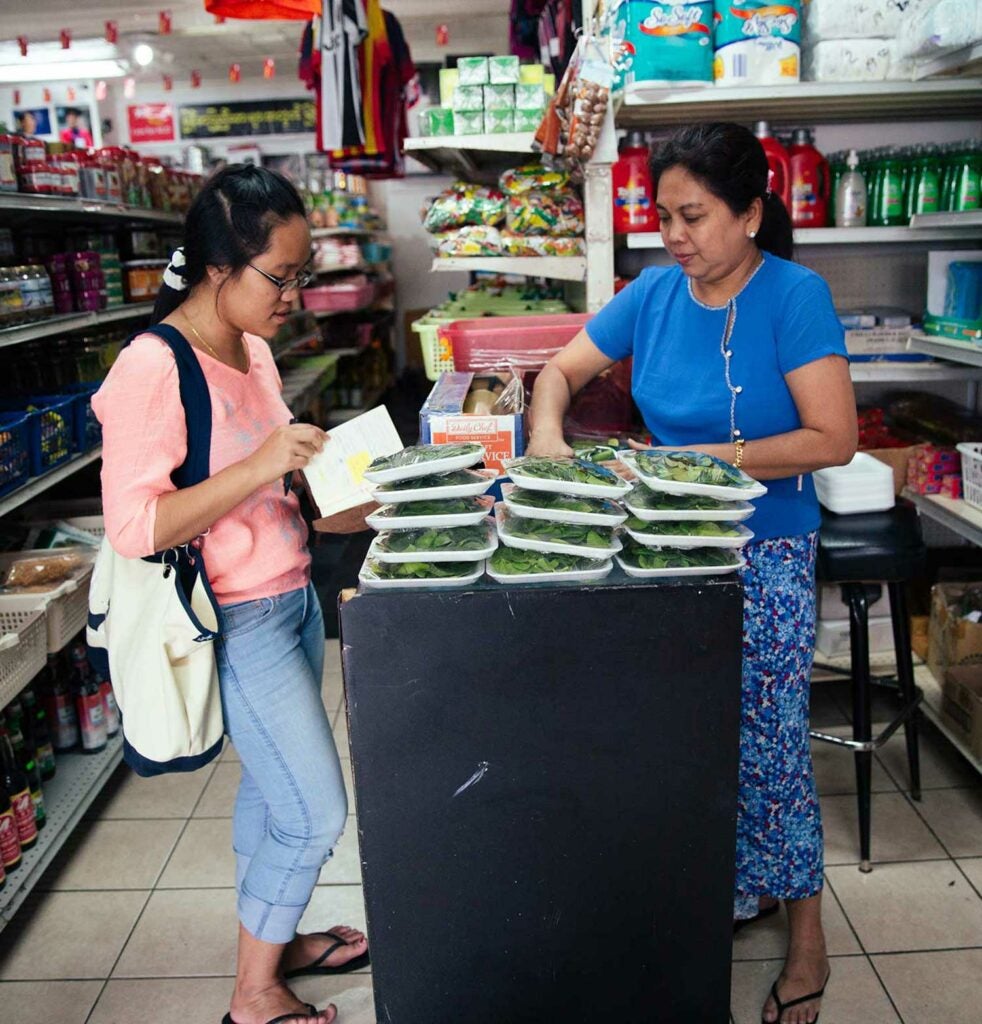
{"points": [[850, 196]]}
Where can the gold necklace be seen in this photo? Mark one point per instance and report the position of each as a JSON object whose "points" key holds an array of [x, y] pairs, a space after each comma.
{"points": [[202, 340]]}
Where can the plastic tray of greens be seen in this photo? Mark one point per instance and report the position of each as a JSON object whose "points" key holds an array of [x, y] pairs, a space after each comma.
{"points": [[405, 575], [459, 544], [705, 534], [555, 538], [423, 460], [512, 565], [462, 483], [422, 515], [562, 508], [566, 476], [655, 563], [656, 506], [679, 472]]}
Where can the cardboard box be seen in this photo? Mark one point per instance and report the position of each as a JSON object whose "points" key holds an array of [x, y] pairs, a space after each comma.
{"points": [[919, 633], [832, 637], [961, 705], [897, 459], [442, 420], [879, 341], [952, 641]]}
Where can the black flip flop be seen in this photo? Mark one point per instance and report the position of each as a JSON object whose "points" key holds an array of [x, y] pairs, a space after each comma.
{"points": [[311, 1014], [320, 968], [781, 1007], [759, 916]]}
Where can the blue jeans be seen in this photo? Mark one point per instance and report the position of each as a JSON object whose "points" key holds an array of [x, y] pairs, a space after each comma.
{"points": [[291, 805]]}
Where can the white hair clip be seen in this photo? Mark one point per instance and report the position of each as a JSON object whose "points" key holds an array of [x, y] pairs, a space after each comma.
{"points": [[173, 275]]}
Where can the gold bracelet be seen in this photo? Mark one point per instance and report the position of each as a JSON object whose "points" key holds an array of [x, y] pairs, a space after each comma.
{"points": [[738, 445]]}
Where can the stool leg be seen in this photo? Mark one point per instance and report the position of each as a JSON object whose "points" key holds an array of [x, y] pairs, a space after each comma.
{"points": [[905, 677], [862, 714]]}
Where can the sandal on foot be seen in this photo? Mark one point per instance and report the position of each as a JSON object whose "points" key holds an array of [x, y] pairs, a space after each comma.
{"points": [[781, 1007], [311, 1013], [759, 916], [320, 967]]}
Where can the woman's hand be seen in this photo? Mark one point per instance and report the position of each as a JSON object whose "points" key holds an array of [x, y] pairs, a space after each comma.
{"points": [[548, 446], [285, 450]]}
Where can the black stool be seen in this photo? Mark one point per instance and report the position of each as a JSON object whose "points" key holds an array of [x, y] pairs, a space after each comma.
{"points": [[860, 552]]}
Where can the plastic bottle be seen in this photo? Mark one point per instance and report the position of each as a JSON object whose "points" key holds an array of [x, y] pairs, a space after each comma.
{"points": [[810, 182], [634, 200], [966, 185], [850, 196], [923, 192], [10, 848], [778, 161], [36, 725]]}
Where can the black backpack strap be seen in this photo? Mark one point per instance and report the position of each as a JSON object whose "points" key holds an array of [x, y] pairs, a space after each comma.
{"points": [[196, 400]]}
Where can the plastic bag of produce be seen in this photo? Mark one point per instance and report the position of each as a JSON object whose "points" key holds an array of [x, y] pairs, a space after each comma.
{"points": [[464, 204], [477, 240], [531, 178], [546, 213]]}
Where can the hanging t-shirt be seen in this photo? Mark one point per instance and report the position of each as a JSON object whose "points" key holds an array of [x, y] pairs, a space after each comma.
{"points": [[344, 27]]}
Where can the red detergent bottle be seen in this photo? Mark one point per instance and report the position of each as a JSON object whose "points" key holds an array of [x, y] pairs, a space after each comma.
{"points": [[810, 182], [778, 161], [634, 200]]}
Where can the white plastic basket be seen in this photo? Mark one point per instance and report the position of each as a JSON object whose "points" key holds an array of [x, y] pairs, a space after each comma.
{"points": [[971, 453], [66, 608], [23, 650]]}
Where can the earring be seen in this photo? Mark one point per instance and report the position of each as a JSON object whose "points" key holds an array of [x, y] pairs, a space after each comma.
{"points": [[753, 234]]}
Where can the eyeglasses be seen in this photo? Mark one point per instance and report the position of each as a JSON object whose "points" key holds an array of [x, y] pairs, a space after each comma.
{"points": [[300, 281]]}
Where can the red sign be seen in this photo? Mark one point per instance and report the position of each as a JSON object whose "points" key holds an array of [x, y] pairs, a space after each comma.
{"points": [[151, 122]]}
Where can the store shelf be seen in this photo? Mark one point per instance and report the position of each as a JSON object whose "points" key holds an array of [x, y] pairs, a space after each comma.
{"points": [[72, 322], [67, 797], [952, 229], [931, 706], [351, 268], [886, 372], [371, 399], [559, 268], [281, 351], [965, 60], [953, 513], [806, 103], [946, 348], [40, 484], [23, 204], [341, 232], [470, 156], [302, 386], [970, 219]]}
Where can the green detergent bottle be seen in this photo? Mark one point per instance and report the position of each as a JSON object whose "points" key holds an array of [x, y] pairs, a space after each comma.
{"points": [[966, 186]]}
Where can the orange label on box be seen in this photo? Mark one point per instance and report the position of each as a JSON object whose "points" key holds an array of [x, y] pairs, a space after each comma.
{"points": [[496, 433]]}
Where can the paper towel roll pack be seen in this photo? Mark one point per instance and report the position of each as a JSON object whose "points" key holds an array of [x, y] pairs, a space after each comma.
{"points": [[852, 19], [757, 43]]}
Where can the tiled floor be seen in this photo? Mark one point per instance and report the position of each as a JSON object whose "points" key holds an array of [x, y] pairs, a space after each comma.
{"points": [[135, 924]]}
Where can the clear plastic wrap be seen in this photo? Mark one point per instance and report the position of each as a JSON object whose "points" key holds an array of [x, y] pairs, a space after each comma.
{"points": [[546, 213], [45, 570], [541, 245], [463, 204], [420, 460], [477, 240], [531, 178]]}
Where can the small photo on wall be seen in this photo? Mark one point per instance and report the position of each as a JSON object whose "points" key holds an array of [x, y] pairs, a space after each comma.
{"points": [[74, 127], [36, 121]]}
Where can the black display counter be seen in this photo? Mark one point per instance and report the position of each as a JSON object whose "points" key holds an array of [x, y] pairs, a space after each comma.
{"points": [[546, 782]]}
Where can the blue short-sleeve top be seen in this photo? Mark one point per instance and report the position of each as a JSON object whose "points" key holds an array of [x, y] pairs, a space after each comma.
{"points": [[785, 319]]}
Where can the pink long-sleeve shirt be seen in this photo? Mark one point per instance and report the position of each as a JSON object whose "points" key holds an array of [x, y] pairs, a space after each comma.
{"points": [[259, 549]]}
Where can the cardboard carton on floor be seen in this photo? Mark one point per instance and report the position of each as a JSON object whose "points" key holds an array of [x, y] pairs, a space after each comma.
{"points": [[953, 641], [897, 459], [961, 705]]}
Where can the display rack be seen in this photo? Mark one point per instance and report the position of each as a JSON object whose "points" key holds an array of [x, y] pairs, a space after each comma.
{"points": [[67, 797], [370, 400], [931, 706], [897, 372], [478, 158], [946, 348], [559, 268], [966, 60], [72, 322], [947, 228], [40, 484], [303, 385], [25, 204]]}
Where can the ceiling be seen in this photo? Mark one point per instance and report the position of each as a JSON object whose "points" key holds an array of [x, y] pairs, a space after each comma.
{"points": [[197, 42]]}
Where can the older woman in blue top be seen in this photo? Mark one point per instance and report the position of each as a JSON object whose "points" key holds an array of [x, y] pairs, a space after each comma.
{"points": [[738, 353]]}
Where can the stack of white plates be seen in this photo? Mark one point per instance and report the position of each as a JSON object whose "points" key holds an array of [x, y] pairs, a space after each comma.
{"points": [[864, 485]]}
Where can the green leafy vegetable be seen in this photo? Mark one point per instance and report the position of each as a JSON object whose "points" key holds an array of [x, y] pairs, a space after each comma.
{"points": [[562, 502], [690, 468], [418, 453], [571, 471], [438, 507], [641, 557], [421, 570], [457, 478], [512, 562], [683, 529], [560, 533], [591, 452], [459, 538], [656, 501]]}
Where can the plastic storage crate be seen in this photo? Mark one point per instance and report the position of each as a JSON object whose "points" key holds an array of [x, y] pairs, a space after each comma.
{"points": [[15, 462], [86, 428], [971, 453], [66, 606], [50, 429], [437, 353], [23, 649]]}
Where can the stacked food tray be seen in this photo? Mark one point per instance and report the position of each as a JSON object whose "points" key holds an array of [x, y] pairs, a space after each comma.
{"points": [[434, 530]]}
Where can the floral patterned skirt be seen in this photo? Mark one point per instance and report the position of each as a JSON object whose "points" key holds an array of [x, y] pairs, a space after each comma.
{"points": [[779, 825]]}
